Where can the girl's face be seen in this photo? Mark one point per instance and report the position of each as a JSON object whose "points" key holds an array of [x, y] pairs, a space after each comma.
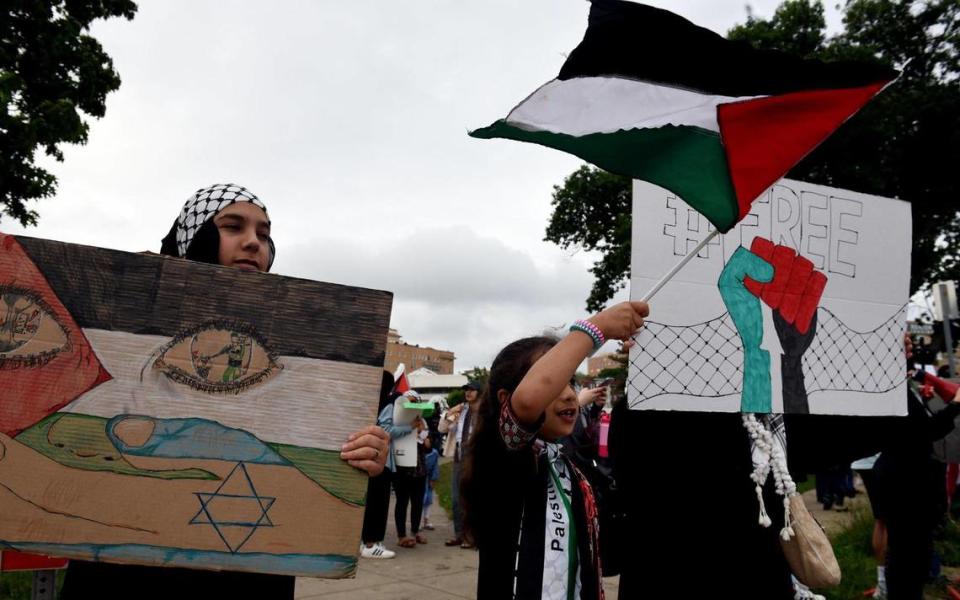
{"points": [[560, 416], [244, 234]]}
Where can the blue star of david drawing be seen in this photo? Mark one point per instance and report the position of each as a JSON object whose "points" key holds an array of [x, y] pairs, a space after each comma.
{"points": [[216, 509]]}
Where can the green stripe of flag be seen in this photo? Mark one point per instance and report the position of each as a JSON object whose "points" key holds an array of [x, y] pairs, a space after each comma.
{"points": [[695, 169]]}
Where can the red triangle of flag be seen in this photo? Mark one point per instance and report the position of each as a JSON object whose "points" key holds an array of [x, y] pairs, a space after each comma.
{"points": [[766, 137], [45, 360], [402, 384]]}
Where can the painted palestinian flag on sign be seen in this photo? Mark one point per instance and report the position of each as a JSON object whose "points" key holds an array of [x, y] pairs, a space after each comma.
{"points": [[650, 95]]}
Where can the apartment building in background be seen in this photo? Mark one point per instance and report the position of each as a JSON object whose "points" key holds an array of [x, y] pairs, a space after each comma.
{"points": [[415, 357]]}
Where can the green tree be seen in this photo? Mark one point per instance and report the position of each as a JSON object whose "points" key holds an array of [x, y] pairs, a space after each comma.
{"points": [[480, 374], [51, 69], [455, 397], [617, 374], [905, 144], [591, 210]]}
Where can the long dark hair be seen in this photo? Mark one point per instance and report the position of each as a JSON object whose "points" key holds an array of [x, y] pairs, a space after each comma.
{"points": [[386, 386], [506, 373], [204, 248]]}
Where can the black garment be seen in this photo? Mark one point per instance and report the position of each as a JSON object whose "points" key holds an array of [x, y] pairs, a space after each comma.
{"points": [[832, 485], [465, 436], [686, 480], [86, 580], [505, 485], [869, 478], [910, 527], [409, 488], [584, 442], [582, 446], [433, 425], [910, 483], [376, 511]]}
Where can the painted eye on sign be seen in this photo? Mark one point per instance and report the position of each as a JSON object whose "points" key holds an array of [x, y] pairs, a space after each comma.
{"points": [[218, 356], [30, 335]]}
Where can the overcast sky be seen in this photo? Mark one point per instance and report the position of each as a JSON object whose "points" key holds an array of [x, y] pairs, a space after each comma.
{"points": [[349, 120]]}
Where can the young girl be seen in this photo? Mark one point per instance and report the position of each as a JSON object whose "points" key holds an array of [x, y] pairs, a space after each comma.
{"points": [[529, 509], [431, 464]]}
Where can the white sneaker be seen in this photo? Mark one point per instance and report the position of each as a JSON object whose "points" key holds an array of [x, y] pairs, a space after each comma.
{"points": [[802, 592], [376, 551]]}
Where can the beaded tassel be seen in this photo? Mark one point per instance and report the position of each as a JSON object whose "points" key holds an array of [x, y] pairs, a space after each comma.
{"points": [[771, 459]]}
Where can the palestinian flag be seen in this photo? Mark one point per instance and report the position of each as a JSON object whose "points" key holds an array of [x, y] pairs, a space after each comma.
{"points": [[402, 384], [650, 95]]}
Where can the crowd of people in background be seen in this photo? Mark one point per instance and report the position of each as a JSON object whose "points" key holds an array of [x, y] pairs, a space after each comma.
{"points": [[444, 432]]}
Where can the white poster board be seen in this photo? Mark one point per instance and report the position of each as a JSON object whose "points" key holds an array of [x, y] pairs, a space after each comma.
{"points": [[405, 446], [839, 348]]}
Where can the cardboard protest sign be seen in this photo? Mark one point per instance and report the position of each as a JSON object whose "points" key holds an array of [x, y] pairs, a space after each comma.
{"points": [[166, 412], [800, 308]]}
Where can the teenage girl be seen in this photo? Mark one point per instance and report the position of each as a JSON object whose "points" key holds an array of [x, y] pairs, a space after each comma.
{"points": [[530, 511], [225, 225]]}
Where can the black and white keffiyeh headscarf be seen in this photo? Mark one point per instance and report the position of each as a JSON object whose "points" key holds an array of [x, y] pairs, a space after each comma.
{"points": [[194, 226]]}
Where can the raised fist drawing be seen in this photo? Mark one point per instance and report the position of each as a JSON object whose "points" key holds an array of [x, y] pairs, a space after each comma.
{"points": [[744, 309], [793, 295]]}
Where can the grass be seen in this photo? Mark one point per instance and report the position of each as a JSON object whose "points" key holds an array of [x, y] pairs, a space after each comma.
{"points": [[853, 551], [855, 555], [807, 484], [442, 489], [19, 585]]}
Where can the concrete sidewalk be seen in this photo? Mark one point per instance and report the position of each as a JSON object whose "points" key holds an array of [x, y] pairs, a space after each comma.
{"points": [[428, 571], [435, 571]]}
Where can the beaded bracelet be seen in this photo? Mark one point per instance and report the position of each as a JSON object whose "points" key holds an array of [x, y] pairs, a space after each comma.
{"points": [[592, 330]]}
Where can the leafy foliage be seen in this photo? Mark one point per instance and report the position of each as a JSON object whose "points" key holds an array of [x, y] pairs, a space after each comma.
{"points": [[480, 374], [50, 70], [455, 397], [591, 210], [905, 144]]}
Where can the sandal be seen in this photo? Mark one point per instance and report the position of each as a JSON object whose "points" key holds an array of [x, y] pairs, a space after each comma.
{"points": [[407, 542], [421, 539], [453, 542]]}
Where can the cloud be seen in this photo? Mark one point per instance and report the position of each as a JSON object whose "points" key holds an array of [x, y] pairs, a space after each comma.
{"points": [[453, 288], [438, 265]]}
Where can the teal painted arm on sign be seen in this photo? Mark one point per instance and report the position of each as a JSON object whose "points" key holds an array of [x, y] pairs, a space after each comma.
{"points": [[744, 308]]}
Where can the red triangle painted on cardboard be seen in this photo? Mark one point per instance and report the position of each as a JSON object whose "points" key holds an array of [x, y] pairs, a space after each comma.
{"points": [[37, 384]]}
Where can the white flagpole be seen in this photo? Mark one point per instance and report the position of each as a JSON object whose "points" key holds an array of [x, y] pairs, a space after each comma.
{"points": [[676, 268]]}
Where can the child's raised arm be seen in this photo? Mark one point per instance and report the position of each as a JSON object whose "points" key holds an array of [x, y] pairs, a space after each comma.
{"points": [[548, 377]]}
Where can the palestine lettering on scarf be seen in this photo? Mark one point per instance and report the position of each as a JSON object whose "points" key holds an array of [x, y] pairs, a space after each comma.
{"points": [[558, 522]]}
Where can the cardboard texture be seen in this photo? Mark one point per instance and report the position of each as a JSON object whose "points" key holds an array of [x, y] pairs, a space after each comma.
{"points": [[165, 412], [800, 308]]}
